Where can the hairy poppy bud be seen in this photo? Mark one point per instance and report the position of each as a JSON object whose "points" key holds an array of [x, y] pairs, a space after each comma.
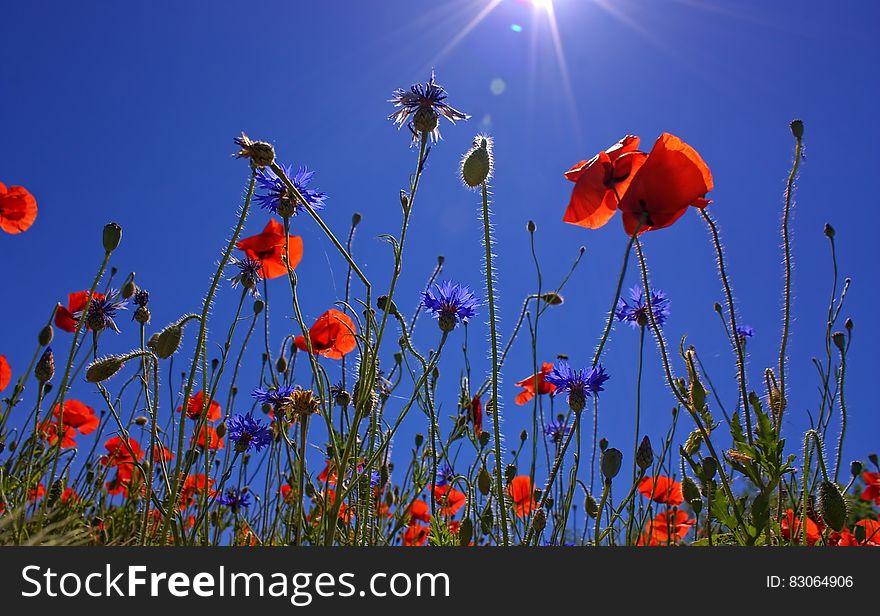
{"points": [[530, 226], [356, 219], [591, 506], [129, 288], [848, 324], [281, 364], [425, 120], [484, 439], [112, 236], [855, 468], [797, 128], [645, 454], [465, 532], [611, 460], [476, 166], [260, 153], [523, 436], [46, 335], [717, 307], [484, 481], [45, 368], [710, 467], [832, 506], [689, 490], [440, 260], [165, 343], [873, 458], [383, 305], [510, 472], [102, 369]]}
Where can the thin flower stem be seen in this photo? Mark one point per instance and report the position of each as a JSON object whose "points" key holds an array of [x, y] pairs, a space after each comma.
{"points": [[638, 415], [786, 243]]}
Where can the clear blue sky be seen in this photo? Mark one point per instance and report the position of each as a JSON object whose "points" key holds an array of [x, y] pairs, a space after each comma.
{"points": [[126, 112]]}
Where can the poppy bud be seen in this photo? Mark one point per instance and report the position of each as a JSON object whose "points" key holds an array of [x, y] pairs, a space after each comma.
{"points": [[829, 230], [689, 490], [484, 481], [420, 438], [710, 467], [383, 305], [832, 506], [539, 521], [603, 443], [717, 307], [476, 166], [530, 226], [281, 364], [425, 120], [855, 468], [484, 439], [554, 299], [398, 357], [356, 219], [260, 153], [221, 429], [141, 420], [523, 436], [129, 288], [112, 236], [645, 454], [13, 446], [611, 460], [440, 260], [797, 128], [46, 335], [45, 368], [510, 472], [404, 199], [486, 520], [591, 506], [839, 339], [165, 343], [465, 532], [693, 442], [848, 324], [548, 502], [258, 306]]}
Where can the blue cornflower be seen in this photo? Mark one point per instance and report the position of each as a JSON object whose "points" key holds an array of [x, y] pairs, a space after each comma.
{"points": [[375, 479], [425, 104], [557, 430], [235, 499], [636, 313], [141, 298], [102, 310], [580, 384], [745, 331], [248, 274], [277, 398], [450, 303], [246, 432], [277, 196], [445, 474]]}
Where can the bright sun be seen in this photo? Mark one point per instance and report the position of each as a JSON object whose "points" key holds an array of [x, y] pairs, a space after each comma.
{"points": [[543, 4]]}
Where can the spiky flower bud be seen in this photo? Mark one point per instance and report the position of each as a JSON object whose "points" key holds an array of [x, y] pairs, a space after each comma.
{"points": [[260, 153], [425, 120], [102, 369], [112, 236], [45, 368], [645, 454], [832, 506], [165, 343], [611, 460], [476, 166], [46, 335]]}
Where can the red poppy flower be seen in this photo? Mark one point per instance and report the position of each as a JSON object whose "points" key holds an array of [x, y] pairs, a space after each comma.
{"points": [[69, 495], [528, 385], [600, 180], [790, 521], [118, 453], [161, 453], [872, 486], [415, 535], [18, 209], [35, 493], [449, 499], [667, 527], [672, 178], [663, 490], [872, 531], [209, 434], [332, 335], [5, 373], [268, 248], [51, 432], [78, 416], [419, 510], [192, 485], [287, 493], [67, 317], [523, 495], [196, 404], [476, 415]]}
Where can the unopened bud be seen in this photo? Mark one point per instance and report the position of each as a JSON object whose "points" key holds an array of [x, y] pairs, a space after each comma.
{"points": [[829, 230], [611, 460], [46, 335], [476, 166], [645, 454], [530, 226], [45, 368], [102, 369], [797, 129], [112, 236]]}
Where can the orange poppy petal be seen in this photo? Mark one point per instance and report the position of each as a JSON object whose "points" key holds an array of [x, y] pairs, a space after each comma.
{"points": [[5, 373], [18, 209]]}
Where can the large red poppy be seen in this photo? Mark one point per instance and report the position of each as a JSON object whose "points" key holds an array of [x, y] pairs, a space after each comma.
{"points": [[332, 335], [528, 385], [662, 489], [449, 499], [419, 510], [600, 180], [522, 494], [667, 527], [209, 434], [118, 454], [672, 178], [192, 485], [415, 535], [51, 432], [67, 317], [18, 209], [792, 522], [196, 404], [5, 373], [78, 416], [268, 249], [872, 487]]}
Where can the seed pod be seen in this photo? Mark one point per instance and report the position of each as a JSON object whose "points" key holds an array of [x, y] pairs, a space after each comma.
{"points": [[839, 339], [112, 236], [260, 153], [832, 506], [141, 420]]}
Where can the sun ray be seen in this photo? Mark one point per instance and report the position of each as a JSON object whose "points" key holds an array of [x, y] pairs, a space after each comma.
{"points": [[473, 23], [563, 67]]}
